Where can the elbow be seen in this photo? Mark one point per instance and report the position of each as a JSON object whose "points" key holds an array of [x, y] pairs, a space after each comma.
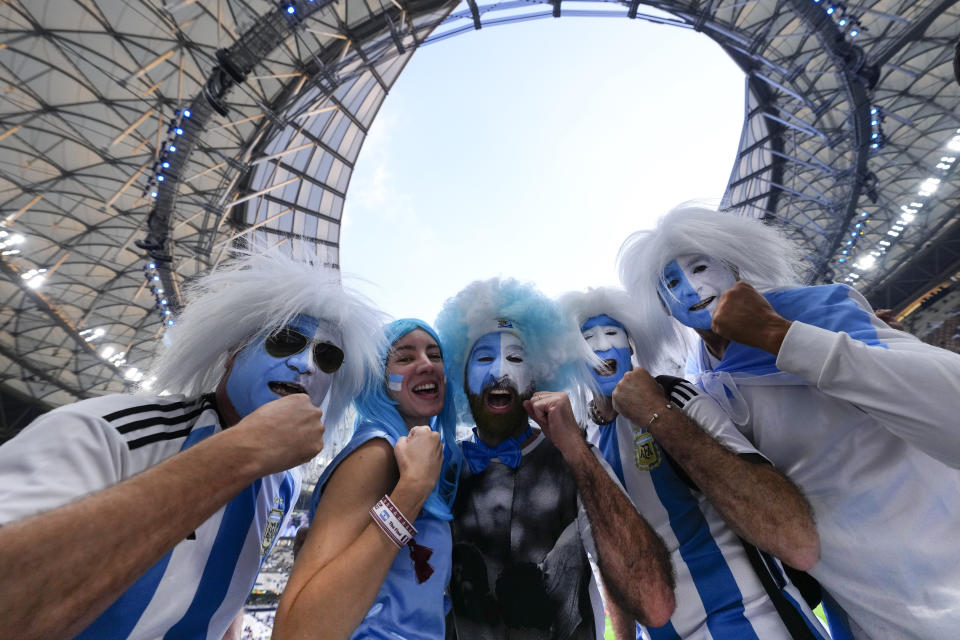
{"points": [[660, 610], [805, 554], [655, 605]]}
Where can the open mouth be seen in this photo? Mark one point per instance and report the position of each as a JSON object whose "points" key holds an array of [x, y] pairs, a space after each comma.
{"points": [[608, 369], [426, 389], [498, 399], [285, 388], [703, 304]]}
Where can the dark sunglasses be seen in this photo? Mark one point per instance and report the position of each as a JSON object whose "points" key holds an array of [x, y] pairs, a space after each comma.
{"points": [[286, 342]]}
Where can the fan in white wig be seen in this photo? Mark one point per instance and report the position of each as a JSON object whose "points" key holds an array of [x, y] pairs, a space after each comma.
{"points": [[751, 250], [255, 296], [635, 318], [554, 350], [206, 481]]}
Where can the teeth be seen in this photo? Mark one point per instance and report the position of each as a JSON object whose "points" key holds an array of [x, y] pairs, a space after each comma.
{"points": [[702, 304], [499, 392], [428, 386], [285, 388]]}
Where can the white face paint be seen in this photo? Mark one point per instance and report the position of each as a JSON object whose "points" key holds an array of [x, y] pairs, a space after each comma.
{"points": [[498, 357], [694, 283]]}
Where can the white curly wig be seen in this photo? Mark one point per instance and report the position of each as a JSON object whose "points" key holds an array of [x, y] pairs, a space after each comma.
{"points": [[636, 318], [257, 294], [757, 252], [556, 352]]}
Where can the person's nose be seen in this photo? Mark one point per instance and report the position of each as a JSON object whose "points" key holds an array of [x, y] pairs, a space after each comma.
{"points": [[602, 343], [302, 362], [423, 363]]}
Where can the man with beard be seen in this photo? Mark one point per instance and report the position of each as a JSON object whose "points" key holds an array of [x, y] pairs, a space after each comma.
{"points": [[699, 492], [132, 516], [863, 418], [533, 502]]}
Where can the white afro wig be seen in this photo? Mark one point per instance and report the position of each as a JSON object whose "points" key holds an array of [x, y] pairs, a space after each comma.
{"points": [[636, 317], [256, 295], [758, 253]]}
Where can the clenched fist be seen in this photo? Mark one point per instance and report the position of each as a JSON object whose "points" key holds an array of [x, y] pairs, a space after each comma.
{"points": [[743, 315], [283, 433], [552, 411], [419, 459], [637, 396]]}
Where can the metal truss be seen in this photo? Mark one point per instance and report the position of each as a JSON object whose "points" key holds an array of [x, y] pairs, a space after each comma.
{"points": [[281, 95]]}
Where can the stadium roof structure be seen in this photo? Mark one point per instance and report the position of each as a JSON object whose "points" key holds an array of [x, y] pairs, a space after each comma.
{"points": [[142, 141]]}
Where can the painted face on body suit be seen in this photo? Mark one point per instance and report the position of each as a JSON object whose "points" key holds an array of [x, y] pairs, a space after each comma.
{"points": [[299, 358], [608, 339], [498, 380], [693, 286]]}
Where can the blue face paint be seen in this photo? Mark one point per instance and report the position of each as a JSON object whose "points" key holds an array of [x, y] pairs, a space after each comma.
{"points": [[253, 370], [693, 287], [498, 356], [609, 341]]}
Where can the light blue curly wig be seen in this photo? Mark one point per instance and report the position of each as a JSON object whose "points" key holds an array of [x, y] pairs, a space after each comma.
{"points": [[374, 405], [554, 348]]}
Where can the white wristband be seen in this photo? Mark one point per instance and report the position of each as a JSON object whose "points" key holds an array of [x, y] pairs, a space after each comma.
{"points": [[392, 522]]}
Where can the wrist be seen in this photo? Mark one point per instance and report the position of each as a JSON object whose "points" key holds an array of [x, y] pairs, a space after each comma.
{"points": [[245, 454], [775, 335], [412, 491]]}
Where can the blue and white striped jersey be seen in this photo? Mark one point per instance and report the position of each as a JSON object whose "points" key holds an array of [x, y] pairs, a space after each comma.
{"points": [[198, 588], [726, 588], [863, 418]]}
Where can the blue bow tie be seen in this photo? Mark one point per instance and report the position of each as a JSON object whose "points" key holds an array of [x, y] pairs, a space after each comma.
{"points": [[478, 455]]}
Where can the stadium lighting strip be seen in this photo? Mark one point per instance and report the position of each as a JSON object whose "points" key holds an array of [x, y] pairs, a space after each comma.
{"points": [[156, 288], [908, 212], [169, 146], [842, 17]]}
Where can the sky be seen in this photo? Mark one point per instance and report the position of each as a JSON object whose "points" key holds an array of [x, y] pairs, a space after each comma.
{"points": [[532, 150]]}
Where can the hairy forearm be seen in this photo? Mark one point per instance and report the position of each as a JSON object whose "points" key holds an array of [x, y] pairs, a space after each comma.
{"points": [[758, 502], [59, 570], [627, 548], [346, 584], [624, 627]]}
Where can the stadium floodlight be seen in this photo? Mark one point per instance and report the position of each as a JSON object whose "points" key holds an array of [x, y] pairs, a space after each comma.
{"points": [[865, 262], [929, 186]]}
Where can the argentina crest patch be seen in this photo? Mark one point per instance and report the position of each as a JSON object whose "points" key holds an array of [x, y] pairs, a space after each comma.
{"points": [[272, 527], [646, 452]]}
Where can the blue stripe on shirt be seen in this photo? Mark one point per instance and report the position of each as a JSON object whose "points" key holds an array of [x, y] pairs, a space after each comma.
{"points": [[221, 563], [610, 448], [119, 620], [711, 575]]}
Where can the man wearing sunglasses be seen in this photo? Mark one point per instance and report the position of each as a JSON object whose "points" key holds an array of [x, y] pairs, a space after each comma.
{"points": [[131, 516]]}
